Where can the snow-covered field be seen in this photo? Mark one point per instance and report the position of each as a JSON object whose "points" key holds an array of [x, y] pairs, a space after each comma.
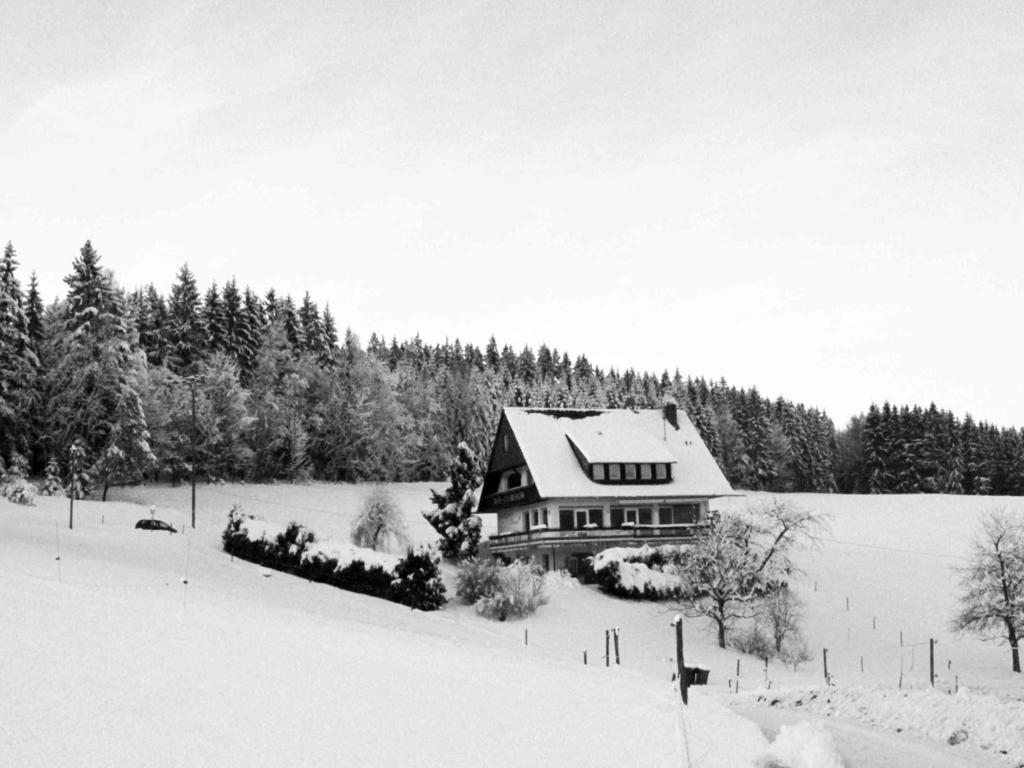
{"points": [[111, 662], [119, 663]]}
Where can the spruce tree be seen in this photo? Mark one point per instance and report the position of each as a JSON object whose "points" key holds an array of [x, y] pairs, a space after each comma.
{"points": [[453, 517], [186, 334], [214, 321]]}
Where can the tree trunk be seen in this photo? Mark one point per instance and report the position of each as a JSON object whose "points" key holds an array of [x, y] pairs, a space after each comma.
{"points": [[721, 632], [1011, 635], [106, 486]]}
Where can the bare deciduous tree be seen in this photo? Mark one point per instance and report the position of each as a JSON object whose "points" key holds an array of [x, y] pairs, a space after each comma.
{"points": [[992, 584], [744, 558], [783, 614], [380, 522]]}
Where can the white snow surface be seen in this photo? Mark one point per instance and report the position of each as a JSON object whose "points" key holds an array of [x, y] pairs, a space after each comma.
{"points": [[115, 666], [975, 721], [154, 649], [804, 745]]}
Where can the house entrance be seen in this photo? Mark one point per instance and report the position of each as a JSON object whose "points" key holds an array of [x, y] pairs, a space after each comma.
{"points": [[579, 565]]}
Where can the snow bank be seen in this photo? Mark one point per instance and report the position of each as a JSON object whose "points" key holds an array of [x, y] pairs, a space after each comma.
{"points": [[804, 745], [964, 720]]}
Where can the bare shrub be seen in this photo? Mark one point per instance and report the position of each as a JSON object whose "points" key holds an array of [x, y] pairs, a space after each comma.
{"points": [[380, 522], [502, 591]]}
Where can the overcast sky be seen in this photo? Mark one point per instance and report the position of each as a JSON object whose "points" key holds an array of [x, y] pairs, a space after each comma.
{"points": [[820, 199]]}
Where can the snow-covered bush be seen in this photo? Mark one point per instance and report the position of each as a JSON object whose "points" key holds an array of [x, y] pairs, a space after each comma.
{"points": [[641, 573], [504, 591], [417, 581], [14, 485], [295, 549]]}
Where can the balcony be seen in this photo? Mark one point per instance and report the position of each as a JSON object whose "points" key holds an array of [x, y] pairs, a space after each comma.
{"points": [[630, 536]]}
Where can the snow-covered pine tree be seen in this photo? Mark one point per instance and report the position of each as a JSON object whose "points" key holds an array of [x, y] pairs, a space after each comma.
{"points": [[185, 334], [453, 517], [18, 361], [312, 327], [329, 355], [79, 483], [51, 483], [127, 456], [214, 321]]}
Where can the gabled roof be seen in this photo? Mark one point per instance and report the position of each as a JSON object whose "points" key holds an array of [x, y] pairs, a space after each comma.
{"points": [[619, 435]]}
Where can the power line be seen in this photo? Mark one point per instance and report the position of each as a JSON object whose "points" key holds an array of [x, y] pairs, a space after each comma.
{"points": [[895, 549]]}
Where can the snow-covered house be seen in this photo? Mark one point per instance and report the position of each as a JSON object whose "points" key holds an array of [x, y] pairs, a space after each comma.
{"points": [[567, 483]]}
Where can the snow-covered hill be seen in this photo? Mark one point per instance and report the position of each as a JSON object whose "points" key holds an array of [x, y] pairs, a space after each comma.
{"points": [[117, 664]]}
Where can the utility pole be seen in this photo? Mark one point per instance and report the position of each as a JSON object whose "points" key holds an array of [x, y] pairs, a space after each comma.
{"points": [[192, 386]]}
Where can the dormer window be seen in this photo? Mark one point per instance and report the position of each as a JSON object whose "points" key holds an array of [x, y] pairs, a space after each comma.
{"points": [[631, 472], [514, 480], [613, 472], [597, 472], [661, 471], [645, 472]]}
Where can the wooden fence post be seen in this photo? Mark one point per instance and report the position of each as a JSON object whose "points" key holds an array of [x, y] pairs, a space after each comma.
{"points": [[616, 631], [607, 648], [824, 662], [680, 664], [931, 661]]}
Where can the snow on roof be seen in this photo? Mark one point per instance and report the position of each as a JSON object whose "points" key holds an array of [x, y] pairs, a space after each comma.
{"points": [[612, 439], [542, 436]]}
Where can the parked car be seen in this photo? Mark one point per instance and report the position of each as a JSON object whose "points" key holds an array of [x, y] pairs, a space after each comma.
{"points": [[152, 524]]}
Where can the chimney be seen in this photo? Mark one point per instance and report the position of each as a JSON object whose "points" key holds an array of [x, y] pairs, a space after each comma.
{"points": [[670, 412]]}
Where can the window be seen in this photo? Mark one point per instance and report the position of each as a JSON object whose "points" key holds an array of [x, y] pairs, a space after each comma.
{"points": [[645, 516], [679, 514], [630, 513], [645, 472], [661, 471], [514, 480], [565, 519], [504, 442], [595, 517], [613, 472], [631, 471], [547, 562], [597, 471], [581, 518], [617, 517]]}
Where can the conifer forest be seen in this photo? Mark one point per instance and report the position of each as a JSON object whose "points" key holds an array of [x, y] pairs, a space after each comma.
{"points": [[265, 388]]}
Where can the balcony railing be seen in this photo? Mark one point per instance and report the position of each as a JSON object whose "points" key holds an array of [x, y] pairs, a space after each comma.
{"points": [[636, 534]]}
